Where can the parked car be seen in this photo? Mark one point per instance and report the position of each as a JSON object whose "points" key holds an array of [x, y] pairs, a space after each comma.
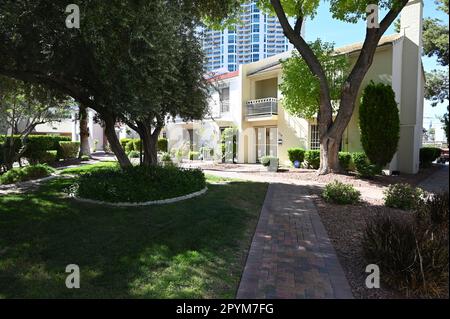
{"points": [[444, 156]]}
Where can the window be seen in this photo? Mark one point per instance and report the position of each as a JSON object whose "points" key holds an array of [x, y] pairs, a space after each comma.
{"points": [[255, 57], [255, 28], [224, 100], [255, 18], [314, 139], [231, 49], [255, 38], [232, 67], [255, 48], [231, 39], [231, 58]]}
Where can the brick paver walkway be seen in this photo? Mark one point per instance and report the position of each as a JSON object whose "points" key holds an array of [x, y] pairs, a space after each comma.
{"points": [[291, 255]]}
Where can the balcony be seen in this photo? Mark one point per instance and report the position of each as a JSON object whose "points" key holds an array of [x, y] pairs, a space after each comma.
{"points": [[262, 109]]}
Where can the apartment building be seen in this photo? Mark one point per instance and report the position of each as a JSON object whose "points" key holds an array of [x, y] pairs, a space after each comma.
{"points": [[256, 37], [249, 101]]}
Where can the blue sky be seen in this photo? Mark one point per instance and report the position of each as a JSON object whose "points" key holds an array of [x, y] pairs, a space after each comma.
{"points": [[342, 33]]}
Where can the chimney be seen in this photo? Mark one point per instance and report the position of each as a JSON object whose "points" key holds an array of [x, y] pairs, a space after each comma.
{"points": [[411, 21]]}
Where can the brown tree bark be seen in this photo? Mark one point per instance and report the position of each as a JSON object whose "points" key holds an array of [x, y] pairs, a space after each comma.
{"points": [[331, 131], [84, 132], [149, 140], [114, 142]]}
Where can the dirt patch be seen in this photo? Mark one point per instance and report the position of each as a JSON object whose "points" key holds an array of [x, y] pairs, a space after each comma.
{"points": [[345, 226]]}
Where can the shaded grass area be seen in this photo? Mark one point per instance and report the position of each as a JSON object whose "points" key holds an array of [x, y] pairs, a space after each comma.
{"points": [[102, 166], [191, 249]]}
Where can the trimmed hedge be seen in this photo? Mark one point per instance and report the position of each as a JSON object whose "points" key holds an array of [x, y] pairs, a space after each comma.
{"points": [[345, 159], [163, 145], [428, 154], [379, 122], [193, 155], [26, 173], [296, 154], [266, 160], [139, 183], [69, 149], [362, 165], [312, 159]]}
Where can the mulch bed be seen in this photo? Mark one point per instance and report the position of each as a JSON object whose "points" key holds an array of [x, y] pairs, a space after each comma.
{"points": [[345, 226]]}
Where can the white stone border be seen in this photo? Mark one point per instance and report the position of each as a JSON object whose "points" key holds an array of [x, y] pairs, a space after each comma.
{"points": [[154, 202]]}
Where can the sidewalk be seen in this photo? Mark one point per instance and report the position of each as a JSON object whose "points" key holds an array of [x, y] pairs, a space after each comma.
{"points": [[291, 255], [438, 182]]}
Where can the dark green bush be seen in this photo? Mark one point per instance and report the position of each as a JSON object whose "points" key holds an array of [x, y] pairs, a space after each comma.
{"points": [[129, 147], [427, 155], [379, 122], [163, 145], [124, 141], [69, 149], [139, 183], [49, 157], [193, 155], [37, 146], [266, 160], [296, 154], [345, 160], [403, 196], [312, 159], [412, 259], [363, 166], [134, 154], [339, 193], [26, 173]]}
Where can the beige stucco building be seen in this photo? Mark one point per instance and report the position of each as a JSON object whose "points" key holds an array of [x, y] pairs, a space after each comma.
{"points": [[250, 101]]}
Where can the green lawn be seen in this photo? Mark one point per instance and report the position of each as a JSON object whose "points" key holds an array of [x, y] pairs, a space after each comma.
{"points": [[191, 249]]}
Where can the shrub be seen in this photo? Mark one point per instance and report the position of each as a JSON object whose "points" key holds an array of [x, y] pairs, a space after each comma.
{"points": [[339, 193], [137, 145], [26, 173], [379, 122], [49, 157], [36, 148], [84, 158], [163, 144], [363, 166], [412, 259], [124, 142], [69, 149], [296, 154], [134, 154], [403, 196], [139, 183], [345, 159], [434, 212], [312, 159], [193, 155], [427, 155], [129, 147], [266, 160]]}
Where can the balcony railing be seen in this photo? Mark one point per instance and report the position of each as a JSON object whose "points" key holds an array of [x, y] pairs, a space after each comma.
{"points": [[261, 107]]}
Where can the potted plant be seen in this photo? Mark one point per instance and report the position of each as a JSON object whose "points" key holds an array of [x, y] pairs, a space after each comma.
{"points": [[270, 162]]}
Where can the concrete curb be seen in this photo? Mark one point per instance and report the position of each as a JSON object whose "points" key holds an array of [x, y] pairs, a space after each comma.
{"points": [[154, 202]]}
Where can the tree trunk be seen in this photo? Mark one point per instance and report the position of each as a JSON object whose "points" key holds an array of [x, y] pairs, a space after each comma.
{"points": [[149, 142], [114, 142], [329, 156], [84, 132]]}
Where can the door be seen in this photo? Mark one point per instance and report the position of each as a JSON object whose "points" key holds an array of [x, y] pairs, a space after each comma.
{"points": [[266, 142]]}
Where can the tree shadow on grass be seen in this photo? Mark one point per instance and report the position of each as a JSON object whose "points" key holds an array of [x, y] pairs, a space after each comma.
{"points": [[190, 249]]}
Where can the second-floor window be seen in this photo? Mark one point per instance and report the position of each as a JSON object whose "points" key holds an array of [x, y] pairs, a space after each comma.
{"points": [[224, 100]]}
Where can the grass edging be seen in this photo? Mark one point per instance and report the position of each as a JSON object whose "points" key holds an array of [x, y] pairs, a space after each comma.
{"points": [[26, 183], [153, 202]]}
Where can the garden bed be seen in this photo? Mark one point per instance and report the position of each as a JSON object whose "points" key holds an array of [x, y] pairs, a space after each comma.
{"points": [[345, 225]]}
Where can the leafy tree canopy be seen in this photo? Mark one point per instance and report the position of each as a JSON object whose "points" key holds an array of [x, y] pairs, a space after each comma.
{"points": [[300, 87]]}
